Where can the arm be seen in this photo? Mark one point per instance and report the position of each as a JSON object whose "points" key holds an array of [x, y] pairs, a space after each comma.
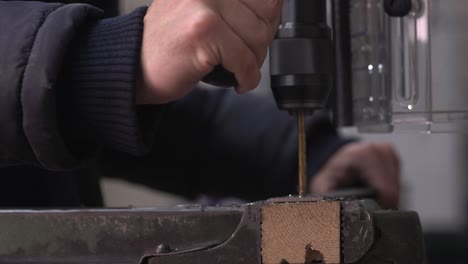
{"points": [[218, 143], [67, 84], [69, 79]]}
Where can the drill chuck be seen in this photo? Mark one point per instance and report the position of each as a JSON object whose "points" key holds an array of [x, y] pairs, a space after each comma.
{"points": [[301, 56]]}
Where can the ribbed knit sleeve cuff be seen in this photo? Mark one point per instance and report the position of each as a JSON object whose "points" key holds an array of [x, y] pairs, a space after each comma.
{"points": [[323, 142], [103, 79]]}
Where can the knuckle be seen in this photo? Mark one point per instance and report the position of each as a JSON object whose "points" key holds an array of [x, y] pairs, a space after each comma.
{"points": [[205, 60], [390, 150], [272, 6], [272, 13], [363, 151], [355, 148], [374, 148], [201, 25]]}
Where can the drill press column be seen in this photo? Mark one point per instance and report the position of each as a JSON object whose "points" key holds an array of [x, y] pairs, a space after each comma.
{"points": [[301, 58]]}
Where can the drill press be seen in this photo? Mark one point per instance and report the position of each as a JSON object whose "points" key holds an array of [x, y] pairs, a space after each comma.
{"points": [[301, 66]]}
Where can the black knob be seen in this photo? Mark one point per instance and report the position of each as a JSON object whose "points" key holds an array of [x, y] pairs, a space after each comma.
{"points": [[221, 77], [397, 8]]}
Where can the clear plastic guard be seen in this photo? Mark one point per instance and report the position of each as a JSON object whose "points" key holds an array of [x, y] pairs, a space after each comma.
{"points": [[395, 85], [371, 94]]}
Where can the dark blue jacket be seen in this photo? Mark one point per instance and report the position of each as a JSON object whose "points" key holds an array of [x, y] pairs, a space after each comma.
{"points": [[67, 80]]}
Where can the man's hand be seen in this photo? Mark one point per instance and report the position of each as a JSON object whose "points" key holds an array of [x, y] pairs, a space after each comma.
{"points": [[184, 40], [374, 164]]}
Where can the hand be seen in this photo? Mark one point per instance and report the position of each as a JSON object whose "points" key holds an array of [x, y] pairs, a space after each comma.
{"points": [[184, 40], [374, 164]]}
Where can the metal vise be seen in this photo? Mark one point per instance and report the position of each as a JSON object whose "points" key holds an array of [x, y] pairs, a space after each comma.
{"points": [[277, 231]]}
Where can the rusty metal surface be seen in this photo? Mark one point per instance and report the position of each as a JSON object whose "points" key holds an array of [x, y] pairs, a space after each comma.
{"points": [[357, 231], [374, 236], [398, 239], [295, 199], [109, 236], [350, 194], [194, 234], [243, 247]]}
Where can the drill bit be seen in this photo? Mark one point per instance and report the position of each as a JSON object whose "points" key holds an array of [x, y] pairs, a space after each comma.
{"points": [[301, 133]]}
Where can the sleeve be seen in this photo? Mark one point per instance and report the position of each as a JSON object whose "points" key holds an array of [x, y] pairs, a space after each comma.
{"points": [[97, 94], [67, 84], [218, 143]]}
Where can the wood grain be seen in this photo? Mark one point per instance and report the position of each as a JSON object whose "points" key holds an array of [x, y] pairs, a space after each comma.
{"points": [[289, 228]]}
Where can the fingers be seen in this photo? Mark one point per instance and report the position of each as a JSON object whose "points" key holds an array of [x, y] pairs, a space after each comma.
{"points": [[237, 39], [255, 32], [184, 40], [267, 10], [216, 44], [376, 165], [239, 59], [334, 175], [390, 177], [242, 30], [378, 171], [255, 22]]}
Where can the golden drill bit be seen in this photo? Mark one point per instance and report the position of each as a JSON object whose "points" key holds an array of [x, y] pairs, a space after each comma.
{"points": [[301, 133]]}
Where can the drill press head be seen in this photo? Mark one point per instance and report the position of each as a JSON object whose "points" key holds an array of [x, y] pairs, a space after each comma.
{"points": [[301, 57]]}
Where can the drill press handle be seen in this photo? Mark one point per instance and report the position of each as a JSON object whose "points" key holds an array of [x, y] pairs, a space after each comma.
{"points": [[220, 77]]}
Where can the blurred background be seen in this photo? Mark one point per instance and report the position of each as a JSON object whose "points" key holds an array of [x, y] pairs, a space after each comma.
{"points": [[434, 181]]}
